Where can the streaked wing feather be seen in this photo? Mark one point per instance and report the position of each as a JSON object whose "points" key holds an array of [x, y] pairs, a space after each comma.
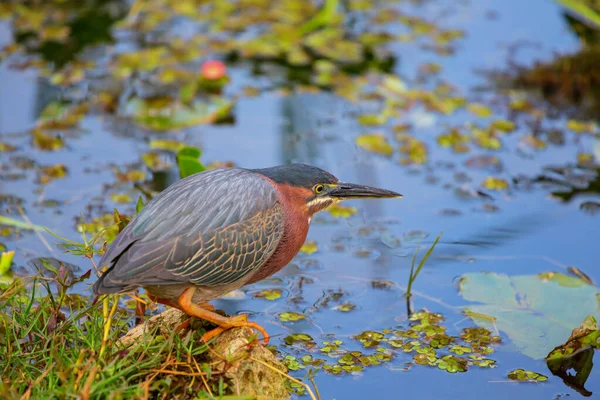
{"points": [[209, 229]]}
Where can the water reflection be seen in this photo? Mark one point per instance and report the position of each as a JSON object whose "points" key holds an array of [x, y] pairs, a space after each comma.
{"points": [[80, 25]]}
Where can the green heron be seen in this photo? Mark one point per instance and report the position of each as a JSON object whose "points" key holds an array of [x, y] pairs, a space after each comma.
{"points": [[216, 231]]}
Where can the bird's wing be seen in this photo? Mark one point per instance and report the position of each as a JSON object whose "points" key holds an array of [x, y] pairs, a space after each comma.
{"points": [[208, 229]]}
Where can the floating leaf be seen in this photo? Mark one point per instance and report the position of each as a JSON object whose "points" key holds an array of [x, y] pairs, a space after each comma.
{"points": [[585, 159], [414, 150], [155, 161], [503, 125], [486, 138], [580, 126], [492, 183], [297, 338], [131, 176], [339, 211], [372, 119], [268, 294], [166, 144], [536, 313], [454, 139], [522, 375], [51, 172], [120, 198], [376, 143], [59, 115], [290, 316], [46, 141], [309, 247], [164, 114], [6, 148], [345, 307], [479, 110], [533, 142], [452, 364]]}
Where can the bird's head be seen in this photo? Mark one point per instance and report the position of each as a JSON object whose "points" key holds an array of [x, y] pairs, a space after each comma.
{"points": [[318, 189]]}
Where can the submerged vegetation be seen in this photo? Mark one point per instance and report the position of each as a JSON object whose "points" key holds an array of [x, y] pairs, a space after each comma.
{"points": [[166, 77]]}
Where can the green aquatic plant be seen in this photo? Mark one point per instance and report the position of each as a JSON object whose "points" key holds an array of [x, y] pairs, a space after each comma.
{"points": [[414, 273]]}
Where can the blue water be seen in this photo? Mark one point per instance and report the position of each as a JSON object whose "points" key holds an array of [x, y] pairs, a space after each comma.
{"points": [[541, 234]]}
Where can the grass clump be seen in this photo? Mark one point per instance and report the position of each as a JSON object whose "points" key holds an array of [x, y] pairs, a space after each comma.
{"points": [[51, 341]]}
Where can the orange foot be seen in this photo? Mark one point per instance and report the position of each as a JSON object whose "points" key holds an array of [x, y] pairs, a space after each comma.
{"points": [[186, 305]]}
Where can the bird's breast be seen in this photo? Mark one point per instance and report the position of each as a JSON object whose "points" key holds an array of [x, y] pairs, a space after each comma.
{"points": [[294, 235]]}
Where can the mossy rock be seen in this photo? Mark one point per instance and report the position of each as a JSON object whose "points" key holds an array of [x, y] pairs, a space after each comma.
{"points": [[233, 354]]}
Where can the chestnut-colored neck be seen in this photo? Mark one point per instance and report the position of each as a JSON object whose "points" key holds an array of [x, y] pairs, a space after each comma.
{"points": [[296, 216]]}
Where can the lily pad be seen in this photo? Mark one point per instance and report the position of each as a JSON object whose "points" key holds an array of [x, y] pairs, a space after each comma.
{"points": [[376, 143], [537, 314]]}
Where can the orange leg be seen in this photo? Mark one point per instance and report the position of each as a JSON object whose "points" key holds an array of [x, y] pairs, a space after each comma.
{"points": [[186, 305], [185, 324]]}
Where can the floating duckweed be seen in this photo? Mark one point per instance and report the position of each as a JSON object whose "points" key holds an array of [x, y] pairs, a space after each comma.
{"points": [[425, 359], [580, 126], [503, 125], [308, 359], [397, 343], [456, 140], [298, 338], [440, 340], [268, 294], [409, 334], [290, 316], [479, 336], [345, 307], [410, 346], [414, 151], [340, 211], [479, 110], [120, 198], [482, 362], [522, 375], [292, 363], [370, 338], [492, 183], [295, 388], [452, 364], [309, 247], [376, 143], [50, 172], [460, 350]]}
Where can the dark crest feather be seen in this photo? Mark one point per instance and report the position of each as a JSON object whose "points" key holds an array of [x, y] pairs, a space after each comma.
{"points": [[298, 175]]}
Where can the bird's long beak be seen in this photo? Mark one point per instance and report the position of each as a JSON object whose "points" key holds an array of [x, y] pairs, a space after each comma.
{"points": [[345, 191]]}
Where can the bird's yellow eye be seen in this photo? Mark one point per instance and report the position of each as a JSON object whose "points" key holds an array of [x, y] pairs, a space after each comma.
{"points": [[319, 188]]}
